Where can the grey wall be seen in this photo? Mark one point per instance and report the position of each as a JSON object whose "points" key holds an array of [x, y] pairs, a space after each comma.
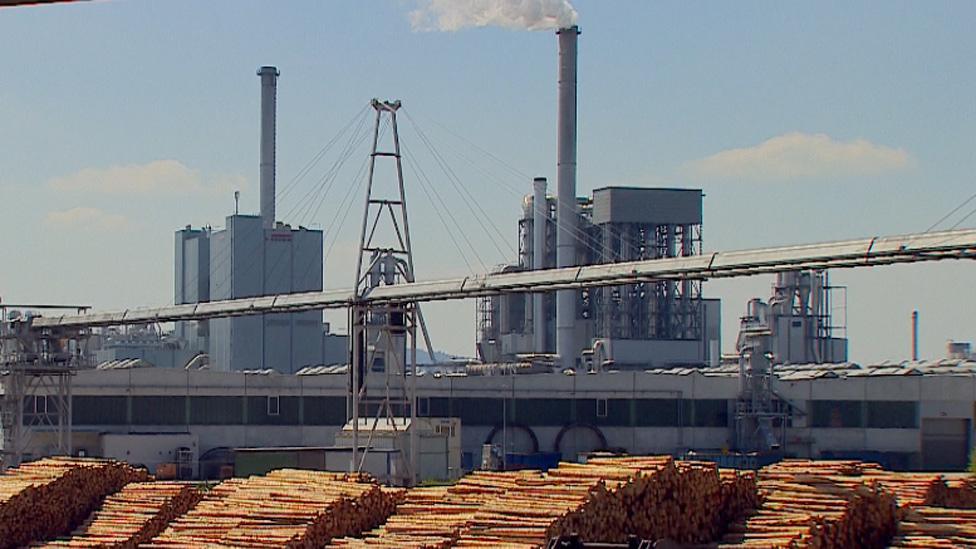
{"points": [[250, 261]]}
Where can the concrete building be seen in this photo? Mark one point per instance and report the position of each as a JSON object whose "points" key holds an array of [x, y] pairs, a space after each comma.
{"points": [[628, 326], [249, 260], [908, 416], [191, 260]]}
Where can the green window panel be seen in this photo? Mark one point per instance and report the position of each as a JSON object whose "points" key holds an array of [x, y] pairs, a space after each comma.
{"points": [[324, 410], [543, 411], [892, 414], [711, 413], [158, 410], [98, 410], [264, 410], [481, 411], [660, 412], [837, 413], [216, 410]]}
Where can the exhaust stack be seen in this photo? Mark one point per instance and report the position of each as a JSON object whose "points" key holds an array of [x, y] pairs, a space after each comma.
{"points": [[540, 216], [566, 213], [269, 92], [915, 335]]}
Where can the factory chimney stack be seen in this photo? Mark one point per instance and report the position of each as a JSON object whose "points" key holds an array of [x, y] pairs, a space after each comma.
{"points": [[566, 211], [269, 92], [540, 216]]}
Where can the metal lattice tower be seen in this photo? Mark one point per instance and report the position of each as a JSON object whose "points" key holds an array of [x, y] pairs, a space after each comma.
{"points": [[384, 337]]}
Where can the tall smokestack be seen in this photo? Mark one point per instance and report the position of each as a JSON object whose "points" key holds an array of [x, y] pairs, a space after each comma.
{"points": [[540, 215], [269, 92], [566, 345]]}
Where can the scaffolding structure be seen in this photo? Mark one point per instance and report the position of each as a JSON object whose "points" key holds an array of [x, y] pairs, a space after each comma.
{"points": [[36, 367]]}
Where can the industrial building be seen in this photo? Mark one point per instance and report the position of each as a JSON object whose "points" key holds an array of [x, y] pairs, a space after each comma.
{"points": [[629, 326], [253, 255], [914, 415], [633, 366], [246, 259]]}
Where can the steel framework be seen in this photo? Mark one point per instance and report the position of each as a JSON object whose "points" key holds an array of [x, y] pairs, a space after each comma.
{"points": [[384, 335], [36, 367]]}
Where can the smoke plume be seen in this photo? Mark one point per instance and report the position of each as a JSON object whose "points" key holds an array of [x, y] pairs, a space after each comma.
{"points": [[452, 15]]}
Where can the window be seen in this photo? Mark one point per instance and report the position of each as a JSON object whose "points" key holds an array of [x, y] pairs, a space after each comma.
{"points": [[423, 406], [323, 410], [216, 410], [554, 412], [274, 405], [601, 407], [892, 414], [98, 410], [158, 410], [659, 412], [837, 413], [711, 413]]}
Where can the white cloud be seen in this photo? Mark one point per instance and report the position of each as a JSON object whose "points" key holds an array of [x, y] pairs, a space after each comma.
{"points": [[453, 15], [91, 219], [156, 177], [798, 156]]}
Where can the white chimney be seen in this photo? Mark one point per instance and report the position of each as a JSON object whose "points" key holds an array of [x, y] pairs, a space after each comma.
{"points": [[269, 92], [566, 212]]}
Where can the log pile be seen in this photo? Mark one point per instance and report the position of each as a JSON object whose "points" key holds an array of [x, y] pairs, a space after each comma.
{"points": [[133, 515], [433, 518], [936, 527], [285, 508], [739, 495], [607, 499], [960, 492], [817, 504], [48, 498], [604, 500]]}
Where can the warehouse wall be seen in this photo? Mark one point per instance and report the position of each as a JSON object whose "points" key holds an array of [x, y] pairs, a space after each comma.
{"points": [[636, 411]]}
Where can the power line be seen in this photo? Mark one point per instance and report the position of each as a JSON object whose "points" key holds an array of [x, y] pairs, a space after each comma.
{"points": [[466, 196]]}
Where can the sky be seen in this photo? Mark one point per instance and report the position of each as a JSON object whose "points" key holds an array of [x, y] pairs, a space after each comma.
{"points": [[125, 120]]}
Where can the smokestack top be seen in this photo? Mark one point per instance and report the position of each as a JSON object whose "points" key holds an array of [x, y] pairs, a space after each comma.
{"points": [[572, 29], [543, 179], [269, 89]]}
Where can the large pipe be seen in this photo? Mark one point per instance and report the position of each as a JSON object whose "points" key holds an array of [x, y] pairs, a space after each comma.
{"points": [[269, 92], [915, 335], [540, 217], [566, 345]]}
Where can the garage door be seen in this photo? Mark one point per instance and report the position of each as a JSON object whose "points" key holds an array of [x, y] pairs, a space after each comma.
{"points": [[945, 444]]}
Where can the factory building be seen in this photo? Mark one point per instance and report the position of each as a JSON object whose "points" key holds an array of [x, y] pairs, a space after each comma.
{"points": [[253, 255], [246, 260], [629, 326], [913, 415]]}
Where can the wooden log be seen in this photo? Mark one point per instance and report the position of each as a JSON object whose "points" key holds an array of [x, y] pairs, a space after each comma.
{"points": [[48, 498]]}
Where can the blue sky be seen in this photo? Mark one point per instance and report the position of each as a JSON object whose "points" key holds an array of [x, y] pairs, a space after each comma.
{"points": [[124, 120]]}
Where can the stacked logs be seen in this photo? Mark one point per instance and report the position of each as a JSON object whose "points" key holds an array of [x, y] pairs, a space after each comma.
{"points": [[960, 492], [285, 508], [134, 515], [925, 526], [739, 495], [913, 489], [817, 504], [606, 500], [433, 518], [48, 498]]}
